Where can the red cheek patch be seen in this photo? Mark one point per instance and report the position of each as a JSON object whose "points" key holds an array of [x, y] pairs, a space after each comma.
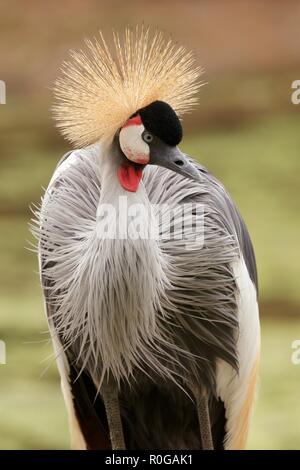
{"points": [[130, 177], [134, 121]]}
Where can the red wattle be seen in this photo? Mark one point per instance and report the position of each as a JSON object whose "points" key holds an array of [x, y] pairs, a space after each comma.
{"points": [[130, 177]]}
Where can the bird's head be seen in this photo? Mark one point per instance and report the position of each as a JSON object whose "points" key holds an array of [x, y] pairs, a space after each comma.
{"points": [[132, 97], [151, 137]]}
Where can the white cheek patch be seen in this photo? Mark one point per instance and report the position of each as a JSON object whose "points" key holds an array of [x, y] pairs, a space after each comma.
{"points": [[132, 144]]}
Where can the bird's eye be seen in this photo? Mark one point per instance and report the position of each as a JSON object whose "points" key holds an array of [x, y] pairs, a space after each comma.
{"points": [[147, 137]]}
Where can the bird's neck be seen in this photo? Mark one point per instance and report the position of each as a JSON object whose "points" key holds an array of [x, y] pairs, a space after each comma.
{"points": [[132, 269], [126, 215]]}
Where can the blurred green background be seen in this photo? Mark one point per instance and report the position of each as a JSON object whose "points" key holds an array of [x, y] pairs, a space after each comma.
{"points": [[245, 130]]}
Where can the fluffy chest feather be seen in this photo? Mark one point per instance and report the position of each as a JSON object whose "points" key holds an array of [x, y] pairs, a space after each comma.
{"points": [[165, 307]]}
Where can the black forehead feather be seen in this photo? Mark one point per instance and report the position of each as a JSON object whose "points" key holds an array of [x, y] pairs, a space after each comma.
{"points": [[160, 119]]}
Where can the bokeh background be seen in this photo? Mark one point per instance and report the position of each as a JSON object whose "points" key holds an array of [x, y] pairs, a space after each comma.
{"points": [[245, 130]]}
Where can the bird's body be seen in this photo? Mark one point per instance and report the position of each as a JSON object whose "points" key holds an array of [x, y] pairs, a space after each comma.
{"points": [[157, 306], [202, 297]]}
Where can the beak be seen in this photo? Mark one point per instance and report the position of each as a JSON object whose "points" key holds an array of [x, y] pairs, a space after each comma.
{"points": [[173, 159]]}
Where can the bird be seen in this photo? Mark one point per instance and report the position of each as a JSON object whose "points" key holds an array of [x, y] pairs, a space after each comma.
{"points": [[147, 268]]}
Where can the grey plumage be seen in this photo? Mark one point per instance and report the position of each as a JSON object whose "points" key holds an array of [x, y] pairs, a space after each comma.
{"points": [[150, 314]]}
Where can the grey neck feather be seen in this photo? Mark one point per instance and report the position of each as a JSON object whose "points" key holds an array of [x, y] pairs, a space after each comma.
{"points": [[166, 307], [129, 276], [109, 289]]}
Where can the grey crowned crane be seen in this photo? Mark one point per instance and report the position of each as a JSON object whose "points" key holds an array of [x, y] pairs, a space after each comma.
{"points": [[156, 337]]}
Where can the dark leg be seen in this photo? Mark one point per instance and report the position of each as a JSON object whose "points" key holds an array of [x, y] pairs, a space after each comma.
{"points": [[203, 418], [109, 393]]}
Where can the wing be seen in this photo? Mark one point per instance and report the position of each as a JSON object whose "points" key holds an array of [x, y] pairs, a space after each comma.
{"points": [[238, 391], [86, 412], [237, 358]]}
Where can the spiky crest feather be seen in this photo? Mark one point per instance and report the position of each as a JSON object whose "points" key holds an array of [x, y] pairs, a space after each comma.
{"points": [[100, 89]]}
